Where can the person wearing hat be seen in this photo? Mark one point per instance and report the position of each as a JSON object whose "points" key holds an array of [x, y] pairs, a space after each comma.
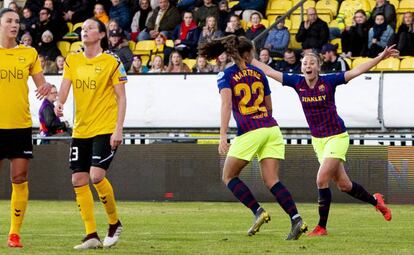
{"points": [[332, 63], [120, 47], [48, 47]]}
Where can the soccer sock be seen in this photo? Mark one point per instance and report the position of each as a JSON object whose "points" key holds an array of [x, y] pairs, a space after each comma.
{"points": [[107, 197], [84, 199], [360, 193], [324, 201], [243, 194], [284, 198], [18, 205]]}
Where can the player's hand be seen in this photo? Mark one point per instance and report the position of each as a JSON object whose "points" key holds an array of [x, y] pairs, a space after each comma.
{"points": [[43, 90], [389, 52], [223, 146], [59, 109], [116, 139]]}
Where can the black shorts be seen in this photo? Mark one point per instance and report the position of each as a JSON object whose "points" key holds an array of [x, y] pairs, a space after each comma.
{"points": [[87, 152], [16, 143]]}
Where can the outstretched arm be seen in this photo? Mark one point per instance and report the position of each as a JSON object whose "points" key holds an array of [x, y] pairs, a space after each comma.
{"points": [[388, 52], [278, 76]]}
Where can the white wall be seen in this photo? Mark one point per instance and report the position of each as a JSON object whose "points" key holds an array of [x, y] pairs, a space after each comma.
{"points": [[162, 101]]}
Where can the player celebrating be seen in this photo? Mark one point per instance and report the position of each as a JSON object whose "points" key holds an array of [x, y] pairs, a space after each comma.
{"points": [[98, 79], [244, 89], [329, 137], [17, 62]]}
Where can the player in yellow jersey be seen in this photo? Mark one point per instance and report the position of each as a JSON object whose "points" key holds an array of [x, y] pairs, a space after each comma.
{"points": [[98, 80], [17, 62]]}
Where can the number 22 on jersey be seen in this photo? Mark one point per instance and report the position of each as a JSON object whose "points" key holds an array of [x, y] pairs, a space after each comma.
{"points": [[257, 88]]}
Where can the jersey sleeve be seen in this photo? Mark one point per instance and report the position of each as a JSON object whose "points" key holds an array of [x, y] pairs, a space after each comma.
{"points": [[290, 79], [35, 68], [67, 74], [266, 85], [223, 81], [119, 76], [335, 79]]}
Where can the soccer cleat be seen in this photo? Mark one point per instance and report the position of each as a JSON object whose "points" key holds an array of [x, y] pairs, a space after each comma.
{"points": [[386, 212], [114, 231], [91, 241], [14, 241], [318, 231], [298, 228], [261, 217]]}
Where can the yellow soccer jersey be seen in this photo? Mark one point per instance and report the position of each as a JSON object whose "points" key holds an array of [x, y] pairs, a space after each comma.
{"points": [[16, 64], [93, 82]]}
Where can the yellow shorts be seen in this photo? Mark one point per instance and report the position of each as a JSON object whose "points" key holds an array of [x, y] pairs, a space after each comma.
{"points": [[264, 142], [334, 146]]}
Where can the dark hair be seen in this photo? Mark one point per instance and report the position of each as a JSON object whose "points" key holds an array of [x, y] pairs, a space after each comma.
{"points": [[102, 29], [49, 11], [5, 10], [234, 46], [361, 11], [265, 49]]}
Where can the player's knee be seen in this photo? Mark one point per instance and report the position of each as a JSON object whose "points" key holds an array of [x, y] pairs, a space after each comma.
{"points": [[344, 186], [19, 178], [322, 182], [227, 177], [96, 179], [78, 181]]}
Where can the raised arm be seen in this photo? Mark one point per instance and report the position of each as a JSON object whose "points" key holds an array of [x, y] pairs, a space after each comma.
{"points": [[116, 137], [278, 76], [225, 119], [388, 52]]}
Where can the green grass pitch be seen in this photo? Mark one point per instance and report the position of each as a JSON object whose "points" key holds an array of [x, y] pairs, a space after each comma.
{"points": [[54, 227]]}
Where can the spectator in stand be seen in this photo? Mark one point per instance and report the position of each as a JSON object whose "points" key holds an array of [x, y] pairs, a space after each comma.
{"points": [[113, 25], [140, 18], [15, 7], [210, 31], [332, 63], [56, 17], [313, 33], [48, 47], [201, 13], [161, 48], [44, 24], [120, 12], [28, 22], [264, 57], [157, 65], [405, 35], [202, 66], [27, 39], [223, 61], [290, 63], [386, 8], [163, 20], [34, 6], [49, 67], [60, 64], [100, 13], [137, 66], [379, 36], [278, 39], [76, 11], [120, 47], [176, 64], [354, 39], [234, 27], [256, 29], [186, 36], [247, 7], [347, 10], [224, 15], [50, 124]]}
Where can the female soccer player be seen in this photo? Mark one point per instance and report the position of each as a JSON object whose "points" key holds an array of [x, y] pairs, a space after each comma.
{"points": [[17, 62], [245, 90], [329, 137], [98, 78]]}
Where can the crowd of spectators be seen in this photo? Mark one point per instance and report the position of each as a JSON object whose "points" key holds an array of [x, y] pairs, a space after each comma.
{"points": [[363, 30]]}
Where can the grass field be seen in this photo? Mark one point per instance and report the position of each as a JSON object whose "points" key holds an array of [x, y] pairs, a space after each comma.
{"points": [[53, 227]]}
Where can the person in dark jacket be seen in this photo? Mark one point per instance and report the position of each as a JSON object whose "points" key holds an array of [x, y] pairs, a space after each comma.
{"points": [[186, 36], [249, 6], [234, 27], [28, 22], [224, 15], [332, 63], [313, 33], [290, 63], [354, 39], [201, 13], [50, 124], [405, 35], [45, 23], [256, 29], [48, 47], [120, 12], [388, 9], [120, 47]]}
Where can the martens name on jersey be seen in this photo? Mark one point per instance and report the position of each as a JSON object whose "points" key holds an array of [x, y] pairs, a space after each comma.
{"points": [[11, 74], [85, 84], [314, 99], [244, 73]]}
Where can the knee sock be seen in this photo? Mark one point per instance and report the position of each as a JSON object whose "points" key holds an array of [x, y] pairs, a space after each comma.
{"points": [[107, 197], [19, 199], [84, 199], [360, 193], [243, 194], [324, 200], [285, 200]]}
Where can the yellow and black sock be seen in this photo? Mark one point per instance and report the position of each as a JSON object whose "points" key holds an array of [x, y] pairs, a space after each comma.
{"points": [[84, 199], [107, 197], [19, 199]]}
